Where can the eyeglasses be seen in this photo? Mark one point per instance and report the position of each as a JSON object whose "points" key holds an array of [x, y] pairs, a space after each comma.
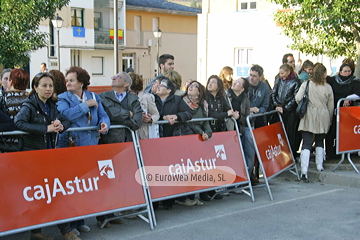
{"points": [[193, 85], [347, 71], [116, 76], [238, 82], [162, 85], [43, 74]]}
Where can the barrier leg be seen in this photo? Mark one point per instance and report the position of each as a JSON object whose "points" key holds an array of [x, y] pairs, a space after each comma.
{"points": [[352, 164], [341, 161]]}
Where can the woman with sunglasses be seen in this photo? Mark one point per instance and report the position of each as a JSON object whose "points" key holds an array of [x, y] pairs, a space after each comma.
{"points": [[195, 98], [343, 84], [40, 117], [83, 109]]}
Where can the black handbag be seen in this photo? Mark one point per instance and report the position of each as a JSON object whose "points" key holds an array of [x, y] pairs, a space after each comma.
{"points": [[302, 106], [182, 129]]}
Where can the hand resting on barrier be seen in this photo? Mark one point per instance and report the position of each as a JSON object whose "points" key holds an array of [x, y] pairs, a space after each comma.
{"points": [[170, 118]]}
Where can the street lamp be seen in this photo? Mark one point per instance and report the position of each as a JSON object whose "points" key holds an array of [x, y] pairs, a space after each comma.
{"points": [[57, 23], [157, 35]]}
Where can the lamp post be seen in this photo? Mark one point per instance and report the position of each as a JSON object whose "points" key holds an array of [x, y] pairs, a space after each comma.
{"points": [[157, 35], [57, 23]]}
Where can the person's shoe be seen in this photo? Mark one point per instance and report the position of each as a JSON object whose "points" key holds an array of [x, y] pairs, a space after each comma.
{"points": [[198, 203], [77, 233], [304, 178], [254, 180], [218, 197], [107, 225], [205, 196], [188, 202], [117, 221], [40, 236], [70, 236], [83, 228]]}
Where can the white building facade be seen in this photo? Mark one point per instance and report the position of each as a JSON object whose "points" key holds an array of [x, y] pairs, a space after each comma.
{"points": [[240, 33]]}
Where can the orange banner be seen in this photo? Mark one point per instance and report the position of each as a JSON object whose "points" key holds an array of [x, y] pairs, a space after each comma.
{"points": [[273, 148], [48, 185], [349, 129], [189, 159]]}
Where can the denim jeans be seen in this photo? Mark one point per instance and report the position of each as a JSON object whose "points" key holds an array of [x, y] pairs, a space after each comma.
{"points": [[249, 149]]}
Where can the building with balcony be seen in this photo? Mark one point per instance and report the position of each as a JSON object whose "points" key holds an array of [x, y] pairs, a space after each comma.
{"points": [[87, 38]]}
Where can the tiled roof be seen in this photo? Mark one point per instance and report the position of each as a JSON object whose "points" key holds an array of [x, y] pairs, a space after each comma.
{"points": [[161, 4]]}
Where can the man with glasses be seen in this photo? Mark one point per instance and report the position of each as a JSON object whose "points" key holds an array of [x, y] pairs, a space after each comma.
{"points": [[122, 107]]}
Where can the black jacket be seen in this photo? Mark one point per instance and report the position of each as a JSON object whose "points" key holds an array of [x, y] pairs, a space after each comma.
{"points": [[218, 107], [173, 105], [119, 114], [283, 94], [33, 119]]}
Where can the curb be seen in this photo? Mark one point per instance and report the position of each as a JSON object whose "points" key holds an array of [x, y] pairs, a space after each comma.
{"points": [[344, 175]]}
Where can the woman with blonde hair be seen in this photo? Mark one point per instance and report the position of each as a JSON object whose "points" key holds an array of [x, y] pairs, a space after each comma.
{"points": [[176, 78], [317, 119], [147, 102], [226, 75]]}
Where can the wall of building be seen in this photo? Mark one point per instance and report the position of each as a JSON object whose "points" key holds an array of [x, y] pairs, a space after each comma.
{"points": [[223, 28], [179, 38]]}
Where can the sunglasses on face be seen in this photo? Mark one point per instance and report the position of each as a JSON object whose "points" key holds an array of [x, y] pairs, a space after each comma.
{"points": [[162, 85], [43, 74], [193, 85]]}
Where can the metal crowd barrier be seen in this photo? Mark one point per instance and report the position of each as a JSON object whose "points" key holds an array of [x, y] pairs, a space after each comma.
{"points": [[344, 134], [134, 207], [279, 157]]}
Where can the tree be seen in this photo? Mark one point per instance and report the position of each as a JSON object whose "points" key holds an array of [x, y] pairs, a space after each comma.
{"points": [[19, 28], [193, 4], [329, 27]]}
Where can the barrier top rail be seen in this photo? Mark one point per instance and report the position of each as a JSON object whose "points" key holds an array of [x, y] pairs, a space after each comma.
{"points": [[17, 132], [346, 99]]}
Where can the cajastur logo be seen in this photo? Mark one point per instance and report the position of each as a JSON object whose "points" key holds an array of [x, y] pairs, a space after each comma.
{"points": [[220, 152], [106, 168]]}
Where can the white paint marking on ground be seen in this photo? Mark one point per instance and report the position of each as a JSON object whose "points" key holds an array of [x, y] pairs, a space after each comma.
{"points": [[157, 230]]}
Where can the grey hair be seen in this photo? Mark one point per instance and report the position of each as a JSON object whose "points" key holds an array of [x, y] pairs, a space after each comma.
{"points": [[127, 79], [6, 70]]}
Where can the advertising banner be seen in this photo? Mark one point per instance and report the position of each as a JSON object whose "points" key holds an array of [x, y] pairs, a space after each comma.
{"points": [[273, 148], [48, 185], [349, 129], [176, 165]]}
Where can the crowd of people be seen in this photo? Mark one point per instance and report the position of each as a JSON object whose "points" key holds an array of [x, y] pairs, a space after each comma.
{"points": [[59, 101]]}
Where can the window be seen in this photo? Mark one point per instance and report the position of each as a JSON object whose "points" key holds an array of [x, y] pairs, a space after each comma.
{"points": [[137, 28], [97, 21], [155, 24], [246, 5], [97, 65], [243, 56], [77, 17]]}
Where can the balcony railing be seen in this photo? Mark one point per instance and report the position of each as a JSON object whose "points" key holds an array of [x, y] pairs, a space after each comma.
{"points": [[103, 36]]}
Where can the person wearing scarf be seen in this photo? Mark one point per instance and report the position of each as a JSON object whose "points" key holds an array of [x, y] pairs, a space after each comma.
{"points": [[283, 98], [344, 84]]}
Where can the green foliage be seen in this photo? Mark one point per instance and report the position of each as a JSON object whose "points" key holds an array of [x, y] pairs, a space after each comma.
{"points": [[329, 27], [19, 28], [193, 4]]}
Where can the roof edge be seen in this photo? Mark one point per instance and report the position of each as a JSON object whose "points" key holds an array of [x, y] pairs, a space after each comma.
{"points": [[158, 10]]}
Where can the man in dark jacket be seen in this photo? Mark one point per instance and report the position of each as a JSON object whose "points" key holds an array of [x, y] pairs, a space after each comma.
{"points": [[123, 108], [259, 95]]}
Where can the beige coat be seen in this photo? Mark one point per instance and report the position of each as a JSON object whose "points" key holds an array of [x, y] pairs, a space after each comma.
{"points": [[147, 103], [318, 116]]}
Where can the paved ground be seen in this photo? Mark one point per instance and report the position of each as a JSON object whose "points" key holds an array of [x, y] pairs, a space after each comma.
{"points": [[315, 210]]}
